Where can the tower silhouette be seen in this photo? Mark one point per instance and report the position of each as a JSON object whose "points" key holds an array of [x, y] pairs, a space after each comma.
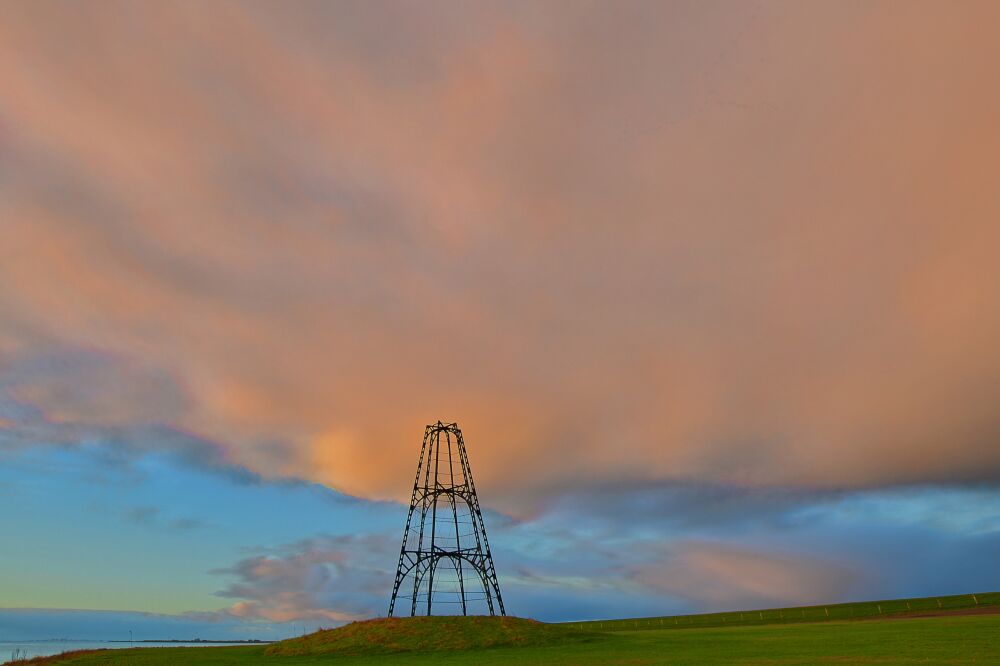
{"points": [[445, 526]]}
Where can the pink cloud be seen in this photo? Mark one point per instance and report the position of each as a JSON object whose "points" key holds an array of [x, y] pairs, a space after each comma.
{"points": [[726, 576], [748, 245], [326, 579]]}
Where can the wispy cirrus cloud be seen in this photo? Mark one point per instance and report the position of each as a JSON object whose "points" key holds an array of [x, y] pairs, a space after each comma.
{"points": [[152, 516]]}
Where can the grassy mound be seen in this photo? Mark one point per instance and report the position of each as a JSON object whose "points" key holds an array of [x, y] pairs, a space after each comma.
{"points": [[419, 634]]}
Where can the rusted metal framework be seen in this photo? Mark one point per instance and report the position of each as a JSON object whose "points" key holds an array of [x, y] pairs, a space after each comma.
{"points": [[445, 565]]}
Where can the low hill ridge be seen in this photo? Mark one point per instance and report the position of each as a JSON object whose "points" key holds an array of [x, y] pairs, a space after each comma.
{"points": [[426, 634]]}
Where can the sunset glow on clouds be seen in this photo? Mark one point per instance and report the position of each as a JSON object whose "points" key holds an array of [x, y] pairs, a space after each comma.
{"points": [[650, 255]]}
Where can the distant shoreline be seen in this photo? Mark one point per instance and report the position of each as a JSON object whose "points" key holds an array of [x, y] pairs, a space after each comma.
{"points": [[252, 641]]}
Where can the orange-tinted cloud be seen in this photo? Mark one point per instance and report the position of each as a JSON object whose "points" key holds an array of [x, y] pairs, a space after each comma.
{"points": [[616, 242]]}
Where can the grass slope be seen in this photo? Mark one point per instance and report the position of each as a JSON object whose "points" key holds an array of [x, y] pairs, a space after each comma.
{"points": [[937, 640], [959, 632], [865, 610], [425, 634]]}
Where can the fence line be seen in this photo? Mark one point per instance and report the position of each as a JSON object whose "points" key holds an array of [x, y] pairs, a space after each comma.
{"points": [[832, 612]]}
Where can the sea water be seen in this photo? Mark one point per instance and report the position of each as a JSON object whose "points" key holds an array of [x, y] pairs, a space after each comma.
{"points": [[29, 649]]}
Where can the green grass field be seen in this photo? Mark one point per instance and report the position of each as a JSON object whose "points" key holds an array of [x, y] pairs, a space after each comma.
{"points": [[958, 636]]}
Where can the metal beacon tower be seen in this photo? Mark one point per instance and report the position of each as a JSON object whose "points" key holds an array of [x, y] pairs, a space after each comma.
{"points": [[445, 565]]}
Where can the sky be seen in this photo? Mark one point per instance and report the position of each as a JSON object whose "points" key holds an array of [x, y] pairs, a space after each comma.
{"points": [[710, 287]]}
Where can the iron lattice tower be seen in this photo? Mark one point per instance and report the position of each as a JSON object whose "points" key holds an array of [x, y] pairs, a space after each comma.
{"points": [[445, 525]]}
